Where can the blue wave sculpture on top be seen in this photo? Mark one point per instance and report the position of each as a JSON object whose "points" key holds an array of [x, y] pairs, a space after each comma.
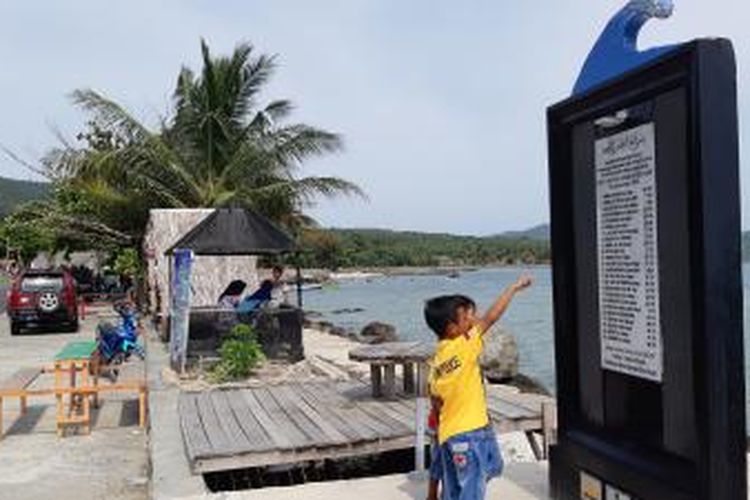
{"points": [[616, 50]]}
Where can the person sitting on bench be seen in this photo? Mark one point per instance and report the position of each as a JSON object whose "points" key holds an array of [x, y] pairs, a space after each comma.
{"points": [[230, 298], [263, 294]]}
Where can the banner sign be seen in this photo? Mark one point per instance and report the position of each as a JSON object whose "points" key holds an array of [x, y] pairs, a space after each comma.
{"points": [[180, 308]]}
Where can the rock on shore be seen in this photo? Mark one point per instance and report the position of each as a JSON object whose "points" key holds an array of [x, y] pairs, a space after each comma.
{"points": [[378, 333], [499, 359]]}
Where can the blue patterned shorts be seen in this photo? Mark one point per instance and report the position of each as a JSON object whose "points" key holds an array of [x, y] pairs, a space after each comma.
{"points": [[468, 461]]}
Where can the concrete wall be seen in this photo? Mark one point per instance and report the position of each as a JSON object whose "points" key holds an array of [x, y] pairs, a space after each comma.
{"points": [[211, 274]]}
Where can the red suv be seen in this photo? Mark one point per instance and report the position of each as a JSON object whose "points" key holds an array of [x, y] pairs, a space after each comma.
{"points": [[42, 298]]}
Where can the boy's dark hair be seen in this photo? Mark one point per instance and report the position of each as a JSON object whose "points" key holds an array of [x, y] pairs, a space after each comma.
{"points": [[278, 269], [440, 311]]}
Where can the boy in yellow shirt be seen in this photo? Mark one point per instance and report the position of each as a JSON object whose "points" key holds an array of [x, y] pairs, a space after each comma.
{"points": [[468, 454]]}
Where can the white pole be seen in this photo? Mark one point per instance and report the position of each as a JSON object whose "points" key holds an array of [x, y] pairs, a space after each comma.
{"points": [[419, 473], [419, 457]]}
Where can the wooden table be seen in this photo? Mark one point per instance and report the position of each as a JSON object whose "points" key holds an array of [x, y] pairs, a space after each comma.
{"points": [[73, 358], [383, 359]]}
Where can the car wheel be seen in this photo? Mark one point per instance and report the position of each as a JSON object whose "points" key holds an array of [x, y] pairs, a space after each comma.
{"points": [[15, 328]]}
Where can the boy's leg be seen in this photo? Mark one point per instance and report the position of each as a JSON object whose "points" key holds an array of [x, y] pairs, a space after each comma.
{"points": [[436, 471], [463, 475], [469, 461], [432, 489]]}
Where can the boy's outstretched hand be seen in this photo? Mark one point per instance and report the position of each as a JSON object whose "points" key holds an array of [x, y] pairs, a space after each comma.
{"points": [[523, 282], [502, 302]]}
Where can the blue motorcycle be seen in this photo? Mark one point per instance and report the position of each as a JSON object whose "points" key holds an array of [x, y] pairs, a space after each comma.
{"points": [[116, 343]]}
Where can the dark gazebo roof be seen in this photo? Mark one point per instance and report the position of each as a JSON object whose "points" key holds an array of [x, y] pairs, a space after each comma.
{"points": [[236, 231]]}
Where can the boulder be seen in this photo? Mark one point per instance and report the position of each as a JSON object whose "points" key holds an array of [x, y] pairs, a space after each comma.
{"points": [[499, 359], [377, 333]]}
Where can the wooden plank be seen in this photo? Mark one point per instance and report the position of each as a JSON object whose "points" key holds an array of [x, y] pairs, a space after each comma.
{"points": [[228, 422], [532, 402], [409, 377], [332, 395], [246, 460], [406, 407], [382, 410], [292, 394], [351, 428], [298, 438], [349, 392], [376, 378], [388, 408], [254, 431], [506, 407], [389, 381], [311, 431], [355, 413], [221, 443], [92, 389], [393, 352], [273, 431], [20, 379], [192, 427]]}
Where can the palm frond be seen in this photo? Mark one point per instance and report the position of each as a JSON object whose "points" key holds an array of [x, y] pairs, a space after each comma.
{"points": [[109, 115], [293, 144]]}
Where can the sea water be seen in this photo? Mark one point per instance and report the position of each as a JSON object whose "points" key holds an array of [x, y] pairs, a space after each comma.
{"points": [[399, 301]]}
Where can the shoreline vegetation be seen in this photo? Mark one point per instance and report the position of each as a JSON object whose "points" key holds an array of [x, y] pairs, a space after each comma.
{"points": [[380, 248]]}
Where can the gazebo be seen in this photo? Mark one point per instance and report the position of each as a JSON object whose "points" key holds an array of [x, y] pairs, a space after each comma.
{"points": [[227, 231]]}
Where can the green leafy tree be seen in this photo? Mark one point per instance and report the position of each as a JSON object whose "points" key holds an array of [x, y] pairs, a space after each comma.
{"points": [[26, 235], [219, 146]]}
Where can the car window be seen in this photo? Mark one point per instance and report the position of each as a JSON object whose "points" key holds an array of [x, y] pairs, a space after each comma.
{"points": [[32, 284]]}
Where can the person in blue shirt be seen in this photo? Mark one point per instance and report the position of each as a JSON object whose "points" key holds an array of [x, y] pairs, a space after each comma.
{"points": [[263, 294]]}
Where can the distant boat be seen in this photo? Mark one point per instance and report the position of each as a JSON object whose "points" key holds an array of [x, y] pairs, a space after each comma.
{"points": [[356, 275], [454, 274], [311, 286]]}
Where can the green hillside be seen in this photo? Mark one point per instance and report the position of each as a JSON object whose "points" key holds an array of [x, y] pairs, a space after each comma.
{"points": [[14, 192], [539, 233], [335, 248]]}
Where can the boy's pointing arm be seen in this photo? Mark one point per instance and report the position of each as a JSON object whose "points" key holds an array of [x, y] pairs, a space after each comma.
{"points": [[503, 301]]}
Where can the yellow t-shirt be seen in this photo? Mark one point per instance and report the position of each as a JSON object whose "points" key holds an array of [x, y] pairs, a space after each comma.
{"points": [[456, 379]]}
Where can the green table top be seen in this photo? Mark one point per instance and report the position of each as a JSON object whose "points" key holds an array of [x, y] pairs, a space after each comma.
{"points": [[76, 350]]}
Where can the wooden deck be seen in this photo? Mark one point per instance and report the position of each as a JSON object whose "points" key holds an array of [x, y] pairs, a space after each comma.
{"points": [[240, 428]]}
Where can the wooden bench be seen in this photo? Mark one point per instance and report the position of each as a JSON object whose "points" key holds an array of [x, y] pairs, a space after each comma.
{"points": [[131, 385], [383, 359], [16, 386]]}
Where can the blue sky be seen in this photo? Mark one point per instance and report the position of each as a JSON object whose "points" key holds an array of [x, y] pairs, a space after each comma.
{"points": [[441, 103]]}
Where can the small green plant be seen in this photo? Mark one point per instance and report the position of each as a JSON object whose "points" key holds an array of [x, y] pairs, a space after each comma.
{"points": [[240, 354]]}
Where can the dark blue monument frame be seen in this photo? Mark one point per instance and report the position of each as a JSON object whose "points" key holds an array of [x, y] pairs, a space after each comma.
{"points": [[683, 437]]}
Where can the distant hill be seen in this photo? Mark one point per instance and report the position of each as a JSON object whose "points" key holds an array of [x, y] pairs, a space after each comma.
{"points": [[386, 248], [537, 233], [14, 192]]}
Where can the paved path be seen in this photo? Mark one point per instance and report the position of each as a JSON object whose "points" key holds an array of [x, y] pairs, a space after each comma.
{"points": [[518, 482], [111, 462], [3, 290]]}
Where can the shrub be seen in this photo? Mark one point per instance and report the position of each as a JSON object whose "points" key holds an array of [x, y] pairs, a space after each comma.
{"points": [[240, 354]]}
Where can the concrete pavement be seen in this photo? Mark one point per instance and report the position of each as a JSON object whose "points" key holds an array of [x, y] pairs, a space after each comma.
{"points": [[111, 462], [170, 473], [3, 290], [519, 482]]}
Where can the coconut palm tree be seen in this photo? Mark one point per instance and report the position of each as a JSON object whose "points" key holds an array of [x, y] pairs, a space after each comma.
{"points": [[218, 147]]}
